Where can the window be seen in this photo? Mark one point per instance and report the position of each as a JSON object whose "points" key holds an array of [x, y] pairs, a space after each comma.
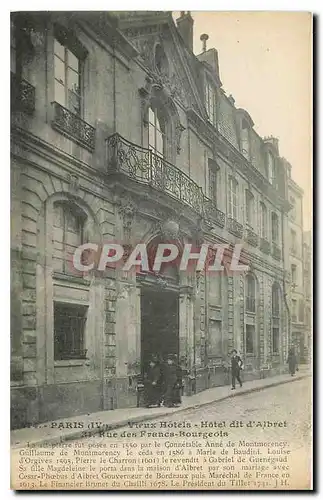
{"points": [[263, 221], [271, 169], [210, 102], [293, 241], [275, 301], [67, 236], [244, 135], [213, 184], [250, 293], [294, 310], [292, 212], [215, 338], [69, 329], [250, 208], [275, 340], [215, 287], [250, 339], [274, 227], [156, 134], [67, 71], [233, 198], [294, 273]]}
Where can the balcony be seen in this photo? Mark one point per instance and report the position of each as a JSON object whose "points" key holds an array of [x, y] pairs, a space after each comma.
{"points": [[264, 246], [251, 238], [213, 214], [276, 252], [235, 228], [22, 95], [146, 167], [73, 127]]}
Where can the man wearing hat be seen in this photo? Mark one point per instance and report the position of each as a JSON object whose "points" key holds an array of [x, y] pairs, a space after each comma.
{"points": [[236, 365], [173, 381]]}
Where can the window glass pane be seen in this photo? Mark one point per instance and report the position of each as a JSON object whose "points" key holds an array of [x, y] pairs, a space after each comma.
{"points": [[59, 69], [250, 334], [158, 124], [59, 93], [59, 49], [159, 142], [151, 116], [73, 82], [73, 61], [151, 136]]}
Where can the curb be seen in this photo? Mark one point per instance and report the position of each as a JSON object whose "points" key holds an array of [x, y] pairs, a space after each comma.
{"points": [[78, 434]]}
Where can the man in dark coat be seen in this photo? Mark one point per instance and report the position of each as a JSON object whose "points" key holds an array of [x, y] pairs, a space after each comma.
{"points": [[173, 382], [153, 383], [236, 364], [292, 362]]}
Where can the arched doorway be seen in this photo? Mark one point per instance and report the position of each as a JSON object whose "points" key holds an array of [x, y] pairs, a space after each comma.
{"points": [[159, 308]]}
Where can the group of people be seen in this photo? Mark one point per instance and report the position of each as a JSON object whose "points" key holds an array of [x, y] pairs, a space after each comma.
{"points": [[163, 382]]}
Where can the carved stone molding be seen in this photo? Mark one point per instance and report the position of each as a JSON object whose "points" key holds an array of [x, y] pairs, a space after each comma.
{"points": [[127, 210], [74, 183]]}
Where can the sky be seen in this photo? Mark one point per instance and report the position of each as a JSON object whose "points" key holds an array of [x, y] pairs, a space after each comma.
{"points": [[265, 62]]}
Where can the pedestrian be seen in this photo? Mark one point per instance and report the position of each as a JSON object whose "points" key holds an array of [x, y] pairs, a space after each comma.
{"points": [[153, 383], [292, 362], [173, 382], [236, 366]]}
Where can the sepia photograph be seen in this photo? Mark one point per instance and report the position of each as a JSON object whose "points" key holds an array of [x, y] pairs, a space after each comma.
{"points": [[161, 242]]}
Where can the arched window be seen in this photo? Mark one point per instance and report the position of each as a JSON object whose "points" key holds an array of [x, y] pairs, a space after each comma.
{"points": [[263, 221], [233, 198], [275, 305], [250, 293], [68, 234], [157, 142], [250, 208], [274, 228], [245, 142]]}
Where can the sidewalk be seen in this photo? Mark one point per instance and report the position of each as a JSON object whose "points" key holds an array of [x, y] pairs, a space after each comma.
{"points": [[113, 419]]}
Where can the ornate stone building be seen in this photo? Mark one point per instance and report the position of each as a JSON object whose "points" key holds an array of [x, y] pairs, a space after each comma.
{"points": [[120, 133]]}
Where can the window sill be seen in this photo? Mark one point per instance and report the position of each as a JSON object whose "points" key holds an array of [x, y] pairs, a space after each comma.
{"points": [[61, 363]]}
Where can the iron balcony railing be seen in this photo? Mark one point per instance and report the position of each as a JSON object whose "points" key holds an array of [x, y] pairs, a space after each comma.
{"points": [[22, 95], [73, 126], [235, 228], [147, 167]]}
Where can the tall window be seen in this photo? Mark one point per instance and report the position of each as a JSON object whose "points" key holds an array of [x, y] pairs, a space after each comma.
{"points": [[69, 329], [292, 212], [245, 141], [271, 168], [275, 304], [301, 311], [156, 134], [293, 241], [233, 198], [213, 184], [294, 310], [294, 273], [263, 221], [67, 236], [67, 70], [250, 293], [210, 102], [250, 208], [274, 227], [250, 339], [215, 338]]}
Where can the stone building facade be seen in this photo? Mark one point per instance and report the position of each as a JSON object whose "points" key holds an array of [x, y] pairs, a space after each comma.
{"points": [[120, 133]]}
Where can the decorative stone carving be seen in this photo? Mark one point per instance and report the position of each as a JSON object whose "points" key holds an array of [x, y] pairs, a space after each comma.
{"points": [[127, 210], [178, 131], [170, 229], [74, 183]]}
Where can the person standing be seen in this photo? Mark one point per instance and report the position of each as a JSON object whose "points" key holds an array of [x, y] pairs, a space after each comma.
{"points": [[291, 360], [153, 383], [173, 382], [236, 365]]}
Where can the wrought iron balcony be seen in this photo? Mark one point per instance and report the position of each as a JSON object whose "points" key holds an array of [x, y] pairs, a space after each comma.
{"points": [[144, 166], [252, 237], [213, 214], [276, 252], [22, 95], [250, 304], [235, 228], [264, 246], [73, 127]]}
